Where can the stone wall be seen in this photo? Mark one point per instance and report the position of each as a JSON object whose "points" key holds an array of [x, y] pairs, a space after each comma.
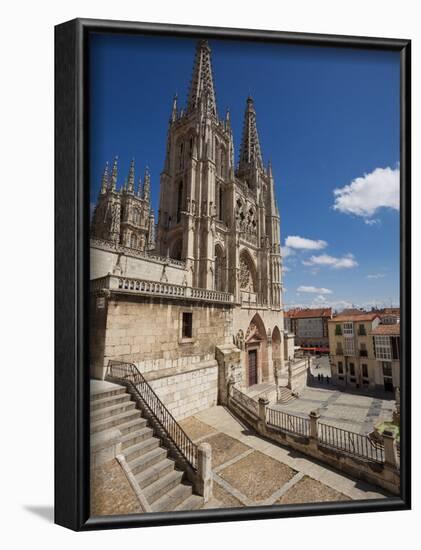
{"points": [[103, 262], [188, 392], [147, 332]]}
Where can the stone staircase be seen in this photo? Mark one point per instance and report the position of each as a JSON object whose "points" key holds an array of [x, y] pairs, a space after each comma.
{"points": [[164, 486], [285, 395]]}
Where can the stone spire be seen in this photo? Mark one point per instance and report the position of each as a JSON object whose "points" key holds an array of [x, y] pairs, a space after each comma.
{"points": [[139, 187], [201, 90], [250, 154], [147, 185], [105, 180], [130, 179], [114, 173], [174, 111]]}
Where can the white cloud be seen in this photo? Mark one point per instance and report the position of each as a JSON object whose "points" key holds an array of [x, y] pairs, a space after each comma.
{"points": [[301, 243], [313, 289], [345, 262], [376, 276], [365, 195], [286, 251], [372, 221]]}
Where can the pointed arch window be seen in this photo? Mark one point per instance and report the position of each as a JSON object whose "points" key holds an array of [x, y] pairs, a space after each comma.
{"points": [[133, 241], [179, 201], [181, 156], [220, 269]]}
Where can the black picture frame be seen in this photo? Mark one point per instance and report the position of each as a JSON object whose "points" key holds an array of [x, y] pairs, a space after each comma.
{"points": [[72, 266]]}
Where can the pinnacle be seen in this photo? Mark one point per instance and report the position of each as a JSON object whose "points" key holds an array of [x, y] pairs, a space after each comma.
{"points": [[202, 92]]}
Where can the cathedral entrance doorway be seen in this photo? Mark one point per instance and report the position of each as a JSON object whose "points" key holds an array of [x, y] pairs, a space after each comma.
{"points": [[252, 363], [256, 352]]}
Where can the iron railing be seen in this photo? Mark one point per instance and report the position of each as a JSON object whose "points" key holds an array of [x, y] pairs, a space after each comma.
{"points": [[350, 442], [130, 375], [245, 401], [288, 422]]}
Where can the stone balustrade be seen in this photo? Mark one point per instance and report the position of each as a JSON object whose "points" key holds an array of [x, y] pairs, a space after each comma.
{"points": [[153, 288]]}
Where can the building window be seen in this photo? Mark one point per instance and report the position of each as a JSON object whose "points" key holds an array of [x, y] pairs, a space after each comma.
{"points": [[339, 350], [133, 241], [187, 325], [395, 341], [365, 370], [349, 346], [383, 349], [348, 329], [352, 369], [362, 331], [387, 369], [340, 367], [338, 330], [179, 201], [363, 350], [181, 157]]}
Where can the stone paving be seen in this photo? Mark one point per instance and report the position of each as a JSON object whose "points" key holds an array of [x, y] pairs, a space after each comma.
{"points": [[357, 413], [250, 471]]}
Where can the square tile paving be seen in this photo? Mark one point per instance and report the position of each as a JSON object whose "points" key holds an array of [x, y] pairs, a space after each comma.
{"points": [[257, 476], [225, 448], [309, 490], [224, 498], [196, 429]]}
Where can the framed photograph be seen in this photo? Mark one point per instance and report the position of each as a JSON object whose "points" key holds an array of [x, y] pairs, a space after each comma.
{"points": [[232, 274]]}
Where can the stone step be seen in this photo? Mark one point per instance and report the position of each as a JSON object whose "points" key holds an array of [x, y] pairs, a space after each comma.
{"points": [[193, 502], [114, 421], [154, 472], [109, 401], [101, 394], [146, 460], [146, 442], [173, 498], [162, 486], [114, 410], [131, 427]]}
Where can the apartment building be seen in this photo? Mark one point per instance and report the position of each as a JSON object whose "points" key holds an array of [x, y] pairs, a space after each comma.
{"points": [[353, 361], [309, 326]]}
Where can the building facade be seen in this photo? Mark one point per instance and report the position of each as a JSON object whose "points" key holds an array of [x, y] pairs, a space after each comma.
{"points": [[364, 352], [310, 326], [200, 300], [387, 352]]}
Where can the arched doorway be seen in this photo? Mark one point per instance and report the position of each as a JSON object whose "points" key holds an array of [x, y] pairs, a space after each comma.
{"points": [[256, 352]]}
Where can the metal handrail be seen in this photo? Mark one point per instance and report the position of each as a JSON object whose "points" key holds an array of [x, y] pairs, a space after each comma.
{"points": [[291, 423], [350, 442], [128, 373]]}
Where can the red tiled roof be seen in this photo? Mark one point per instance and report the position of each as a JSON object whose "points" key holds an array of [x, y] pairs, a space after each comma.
{"points": [[387, 330], [308, 313], [355, 317]]}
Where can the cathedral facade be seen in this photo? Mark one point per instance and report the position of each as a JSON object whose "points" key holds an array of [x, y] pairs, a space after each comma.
{"points": [[197, 298]]}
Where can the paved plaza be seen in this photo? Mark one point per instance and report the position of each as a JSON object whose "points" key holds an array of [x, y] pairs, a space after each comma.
{"points": [[250, 471], [357, 413]]}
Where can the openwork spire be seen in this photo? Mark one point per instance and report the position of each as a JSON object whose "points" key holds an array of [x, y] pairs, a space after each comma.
{"points": [[250, 154], [202, 92], [130, 179], [105, 180], [113, 183], [147, 185]]}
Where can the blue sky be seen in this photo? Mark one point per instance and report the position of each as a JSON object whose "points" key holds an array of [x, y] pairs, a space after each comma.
{"points": [[328, 119]]}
